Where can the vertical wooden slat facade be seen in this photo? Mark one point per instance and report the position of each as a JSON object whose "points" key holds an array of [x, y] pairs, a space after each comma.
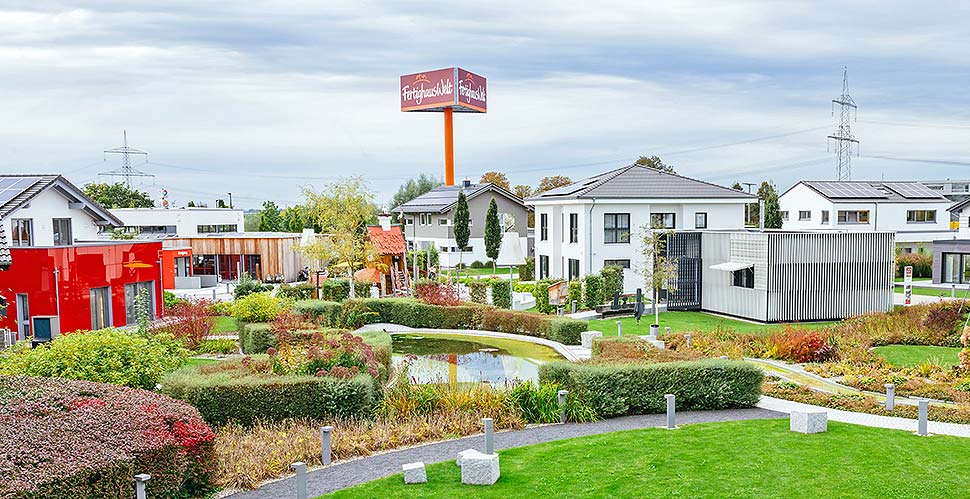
{"points": [[279, 254]]}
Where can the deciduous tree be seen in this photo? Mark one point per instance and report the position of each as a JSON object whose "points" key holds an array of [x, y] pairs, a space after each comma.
{"points": [[412, 189], [768, 194], [496, 178], [118, 195], [523, 191], [270, 219], [657, 269], [550, 183], [654, 162]]}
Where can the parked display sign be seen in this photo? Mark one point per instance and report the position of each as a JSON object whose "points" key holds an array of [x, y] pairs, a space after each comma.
{"points": [[908, 284]]}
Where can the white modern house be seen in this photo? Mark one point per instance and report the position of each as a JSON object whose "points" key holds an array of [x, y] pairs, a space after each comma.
{"points": [[180, 222], [429, 220], [48, 210], [599, 221], [917, 214]]}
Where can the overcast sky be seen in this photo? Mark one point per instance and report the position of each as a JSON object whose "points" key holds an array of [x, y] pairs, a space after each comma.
{"points": [[261, 98]]}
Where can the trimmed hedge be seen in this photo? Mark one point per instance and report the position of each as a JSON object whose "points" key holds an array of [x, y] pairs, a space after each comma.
{"points": [[478, 291], [255, 337], [501, 295], [229, 394], [83, 440], [619, 390], [327, 312], [593, 292]]}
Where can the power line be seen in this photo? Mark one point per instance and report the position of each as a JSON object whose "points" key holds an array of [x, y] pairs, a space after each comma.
{"points": [[843, 136], [126, 170]]}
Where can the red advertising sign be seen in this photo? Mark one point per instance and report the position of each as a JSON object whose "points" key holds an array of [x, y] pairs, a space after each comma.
{"points": [[436, 90]]}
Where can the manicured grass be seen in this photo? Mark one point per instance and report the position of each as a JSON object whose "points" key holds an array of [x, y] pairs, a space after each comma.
{"points": [[487, 271], [742, 459], [680, 322], [915, 279], [196, 361], [914, 355], [224, 324], [932, 291]]}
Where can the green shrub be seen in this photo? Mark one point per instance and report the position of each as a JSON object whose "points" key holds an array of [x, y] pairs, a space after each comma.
{"points": [[362, 289], [477, 265], [258, 307], [593, 295], [527, 270], [227, 392], [541, 294], [105, 355], [355, 314], [618, 390], [575, 294], [566, 330], [540, 404], [170, 299], [524, 287], [256, 337], [612, 281], [301, 291], [247, 286], [327, 313], [413, 313], [501, 295], [380, 342], [335, 290], [222, 346], [478, 290], [561, 329], [922, 264]]}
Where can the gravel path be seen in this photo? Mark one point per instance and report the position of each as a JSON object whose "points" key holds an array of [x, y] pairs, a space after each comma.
{"points": [[349, 473]]}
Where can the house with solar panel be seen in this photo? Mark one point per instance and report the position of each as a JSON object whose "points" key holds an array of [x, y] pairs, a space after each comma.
{"points": [[917, 214], [429, 220], [59, 275]]}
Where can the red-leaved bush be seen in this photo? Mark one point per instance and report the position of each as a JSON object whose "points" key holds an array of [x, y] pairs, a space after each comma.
{"points": [[63, 438], [436, 293], [801, 346], [190, 321]]}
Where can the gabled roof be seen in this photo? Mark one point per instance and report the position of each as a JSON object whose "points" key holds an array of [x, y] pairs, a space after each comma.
{"points": [[848, 191], [635, 181], [959, 206], [445, 197], [387, 242], [17, 190]]}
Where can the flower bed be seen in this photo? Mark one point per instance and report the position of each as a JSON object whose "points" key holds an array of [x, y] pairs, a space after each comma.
{"points": [[65, 438]]}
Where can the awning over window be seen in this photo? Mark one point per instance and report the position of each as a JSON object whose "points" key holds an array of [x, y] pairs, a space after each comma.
{"points": [[731, 266]]}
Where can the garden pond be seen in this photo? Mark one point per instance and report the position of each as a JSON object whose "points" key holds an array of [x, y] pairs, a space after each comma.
{"points": [[455, 358]]}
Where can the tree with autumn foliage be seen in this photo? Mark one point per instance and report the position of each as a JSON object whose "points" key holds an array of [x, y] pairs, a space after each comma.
{"points": [[496, 178], [550, 183]]}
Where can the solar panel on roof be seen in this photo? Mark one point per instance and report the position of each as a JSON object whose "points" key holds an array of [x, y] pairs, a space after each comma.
{"points": [[848, 190], [912, 190], [11, 187]]}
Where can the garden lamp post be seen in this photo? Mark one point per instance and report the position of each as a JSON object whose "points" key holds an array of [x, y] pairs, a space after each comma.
{"points": [[510, 253]]}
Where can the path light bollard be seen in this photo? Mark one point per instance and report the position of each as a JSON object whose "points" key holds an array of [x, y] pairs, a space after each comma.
{"points": [[140, 485], [890, 396], [953, 291], [574, 306], [214, 294], [619, 328], [924, 415], [300, 468], [325, 446], [489, 435], [687, 336], [562, 405], [671, 414]]}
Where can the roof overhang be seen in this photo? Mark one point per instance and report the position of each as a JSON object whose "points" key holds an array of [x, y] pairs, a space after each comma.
{"points": [[731, 266]]}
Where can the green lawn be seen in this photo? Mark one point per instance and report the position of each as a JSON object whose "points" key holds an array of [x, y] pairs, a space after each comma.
{"points": [[689, 321], [742, 459], [196, 361], [499, 271], [916, 279], [932, 291], [914, 355], [224, 324]]}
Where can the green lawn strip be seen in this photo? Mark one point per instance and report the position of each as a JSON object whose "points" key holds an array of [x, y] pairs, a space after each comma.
{"points": [[487, 271], [224, 324], [740, 459], [916, 279], [680, 322], [931, 291], [914, 355], [198, 361]]}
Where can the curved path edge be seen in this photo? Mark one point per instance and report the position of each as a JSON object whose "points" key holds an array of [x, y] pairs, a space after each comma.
{"points": [[865, 419], [343, 474]]}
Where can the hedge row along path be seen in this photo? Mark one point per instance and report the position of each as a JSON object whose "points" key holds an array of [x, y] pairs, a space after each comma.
{"points": [[345, 474]]}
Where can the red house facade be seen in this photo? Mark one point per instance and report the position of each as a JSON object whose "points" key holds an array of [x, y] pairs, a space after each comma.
{"points": [[86, 286]]}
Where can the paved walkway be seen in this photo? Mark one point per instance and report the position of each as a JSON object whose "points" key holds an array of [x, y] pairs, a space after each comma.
{"points": [[353, 472], [860, 418]]}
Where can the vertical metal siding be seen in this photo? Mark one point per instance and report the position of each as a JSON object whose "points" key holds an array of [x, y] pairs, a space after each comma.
{"points": [[717, 290], [685, 248]]}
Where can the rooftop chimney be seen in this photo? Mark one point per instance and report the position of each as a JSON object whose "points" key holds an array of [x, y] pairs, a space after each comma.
{"points": [[385, 220]]}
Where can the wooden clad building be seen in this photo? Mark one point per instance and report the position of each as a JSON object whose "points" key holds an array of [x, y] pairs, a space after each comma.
{"points": [[268, 256]]}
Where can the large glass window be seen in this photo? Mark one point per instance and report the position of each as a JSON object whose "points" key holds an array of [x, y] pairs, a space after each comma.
{"points": [[217, 229], [619, 263], [743, 278], [853, 216], [62, 232], [663, 220], [132, 291], [920, 216], [956, 268], [616, 228], [543, 227], [573, 269], [543, 266], [574, 227], [23, 232], [204, 265], [100, 308]]}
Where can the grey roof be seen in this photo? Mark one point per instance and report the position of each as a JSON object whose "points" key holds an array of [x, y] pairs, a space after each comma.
{"points": [[959, 206], [445, 197], [18, 190], [635, 181], [874, 192]]}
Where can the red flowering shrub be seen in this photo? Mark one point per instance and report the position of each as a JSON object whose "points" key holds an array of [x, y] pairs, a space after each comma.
{"points": [[63, 438], [800, 346], [436, 293], [190, 321]]}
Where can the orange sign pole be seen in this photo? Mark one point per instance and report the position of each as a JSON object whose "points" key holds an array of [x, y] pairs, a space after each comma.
{"points": [[449, 148]]}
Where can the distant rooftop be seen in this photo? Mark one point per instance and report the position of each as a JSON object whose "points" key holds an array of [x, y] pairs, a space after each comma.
{"points": [[874, 192], [444, 197], [635, 181]]}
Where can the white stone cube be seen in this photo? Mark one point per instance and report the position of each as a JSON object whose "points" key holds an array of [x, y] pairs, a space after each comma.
{"points": [[586, 338], [462, 454], [809, 421], [415, 473], [479, 469]]}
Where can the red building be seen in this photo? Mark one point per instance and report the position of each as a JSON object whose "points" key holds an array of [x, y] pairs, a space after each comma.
{"points": [[51, 271]]}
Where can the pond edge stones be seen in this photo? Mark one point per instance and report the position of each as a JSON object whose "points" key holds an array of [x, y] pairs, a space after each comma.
{"points": [[478, 468], [586, 338], [415, 473], [808, 422]]}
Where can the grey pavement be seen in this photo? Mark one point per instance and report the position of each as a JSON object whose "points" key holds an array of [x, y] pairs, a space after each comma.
{"points": [[348, 473]]}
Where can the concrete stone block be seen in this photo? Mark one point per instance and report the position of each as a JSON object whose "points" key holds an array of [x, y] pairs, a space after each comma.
{"points": [[415, 473], [462, 454], [586, 338], [479, 469], [809, 421]]}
